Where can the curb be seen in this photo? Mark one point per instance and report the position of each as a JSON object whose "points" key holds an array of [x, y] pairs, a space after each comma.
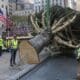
{"points": [[25, 71], [21, 73]]}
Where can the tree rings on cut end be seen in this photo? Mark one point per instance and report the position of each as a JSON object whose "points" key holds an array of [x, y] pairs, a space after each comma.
{"points": [[28, 54]]}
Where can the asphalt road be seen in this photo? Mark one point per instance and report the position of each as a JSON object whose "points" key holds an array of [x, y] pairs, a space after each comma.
{"points": [[56, 68]]}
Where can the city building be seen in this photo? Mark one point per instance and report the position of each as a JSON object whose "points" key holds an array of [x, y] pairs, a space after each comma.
{"points": [[12, 7], [65, 3], [71, 4], [24, 8], [4, 6], [40, 4], [78, 5]]}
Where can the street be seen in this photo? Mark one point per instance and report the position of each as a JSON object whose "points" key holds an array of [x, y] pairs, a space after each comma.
{"points": [[56, 68], [40, 39]]}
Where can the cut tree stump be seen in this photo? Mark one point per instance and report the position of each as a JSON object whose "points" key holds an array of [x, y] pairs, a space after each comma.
{"points": [[28, 54], [30, 49]]}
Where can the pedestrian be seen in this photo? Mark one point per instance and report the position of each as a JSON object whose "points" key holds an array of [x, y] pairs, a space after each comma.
{"points": [[78, 53], [14, 47], [8, 45], [1, 45]]}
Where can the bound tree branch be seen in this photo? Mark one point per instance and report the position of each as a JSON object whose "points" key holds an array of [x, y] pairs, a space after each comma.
{"points": [[65, 24], [43, 20], [61, 35], [37, 25], [34, 24], [57, 24], [67, 43]]}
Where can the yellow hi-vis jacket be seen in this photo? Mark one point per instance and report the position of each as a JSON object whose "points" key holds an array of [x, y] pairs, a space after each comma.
{"points": [[1, 42], [14, 43], [8, 43]]}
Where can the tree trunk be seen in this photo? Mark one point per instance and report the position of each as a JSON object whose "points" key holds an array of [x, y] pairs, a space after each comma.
{"points": [[39, 41], [29, 50]]}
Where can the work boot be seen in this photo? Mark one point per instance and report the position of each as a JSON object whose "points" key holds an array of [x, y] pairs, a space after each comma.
{"points": [[0, 55], [11, 65], [14, 63], [78, 60]]}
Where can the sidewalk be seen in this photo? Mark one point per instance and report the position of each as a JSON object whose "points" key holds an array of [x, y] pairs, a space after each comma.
{"points": [[8, 73], [78, 71]]}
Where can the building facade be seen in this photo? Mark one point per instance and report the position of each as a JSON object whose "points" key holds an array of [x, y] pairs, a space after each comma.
{"points": [[24, 9], [40, 4], [4, 6], [12, 7], [37, 5], [78, 5], [72, 4]]}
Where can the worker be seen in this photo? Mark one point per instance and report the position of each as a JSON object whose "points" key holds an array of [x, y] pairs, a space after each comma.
{"points": [[14, 47], [1, 45], [8, 44], [78, 53]]}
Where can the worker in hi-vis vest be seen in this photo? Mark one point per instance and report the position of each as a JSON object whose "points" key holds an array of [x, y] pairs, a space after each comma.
{"points": [[8, 45], [1, 45], [78, 53], [14, 47]]}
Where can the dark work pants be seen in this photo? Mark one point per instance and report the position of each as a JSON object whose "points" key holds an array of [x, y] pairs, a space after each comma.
{"points": [[0, 50], [13, 56]]}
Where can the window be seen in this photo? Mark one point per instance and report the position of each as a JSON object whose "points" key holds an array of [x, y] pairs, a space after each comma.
{"points": [[2, 0], [42, 1], [42, 6], [36, 8], [2, 6], [6, 7], [39, 8], [61, 3], [56, 2]]}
